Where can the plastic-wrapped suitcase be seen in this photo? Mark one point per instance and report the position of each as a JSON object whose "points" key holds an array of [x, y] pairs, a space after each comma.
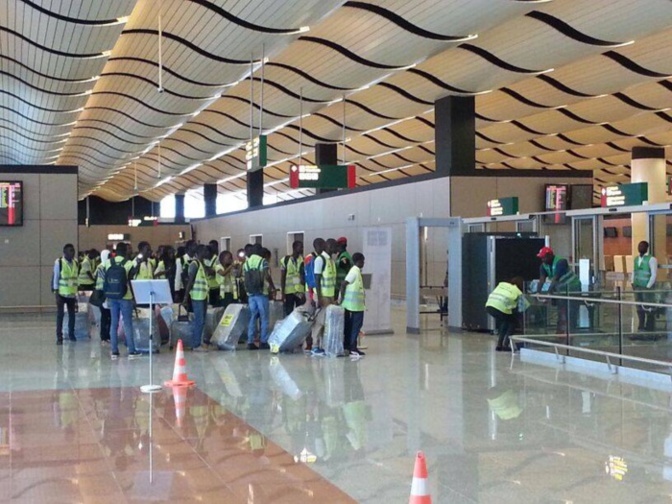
{"points": [[165, 320], [81, 322], [181, 328], [232, 326], [141, 331], [291, 332], [334, 326], [212, 318], [276, 312]]}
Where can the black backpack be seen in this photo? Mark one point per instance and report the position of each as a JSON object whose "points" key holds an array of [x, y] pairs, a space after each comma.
{"points": [[116, 280], [254, 279]]}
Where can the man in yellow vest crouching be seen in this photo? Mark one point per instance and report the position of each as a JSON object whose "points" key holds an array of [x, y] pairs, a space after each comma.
{"points": [[501, 305]]}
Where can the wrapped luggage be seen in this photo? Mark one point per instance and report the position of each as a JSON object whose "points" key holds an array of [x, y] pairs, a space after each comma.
{"points": [[334, 327], [212, 318], [276, 312], [181, 329], [141, 331], [290, 333], [232, 326]]}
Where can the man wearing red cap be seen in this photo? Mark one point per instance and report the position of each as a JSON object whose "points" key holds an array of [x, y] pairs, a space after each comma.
{"points": [[563, 282], [343, 262]]}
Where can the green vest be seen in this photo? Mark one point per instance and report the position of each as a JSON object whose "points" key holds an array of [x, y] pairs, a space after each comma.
{"points": [[642, 273], [67, 279], [328, 280], [145, 270], [341, 273], [569, 281], [85, 272], [293, 283], [504, 298], [199, 291], [227, 283], [212, 278], [353, 300]]}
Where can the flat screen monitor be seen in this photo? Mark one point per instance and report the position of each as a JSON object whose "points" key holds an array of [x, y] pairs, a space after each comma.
{"points": [[610, 232], [11, 203], [581, 197], [556, 199]]}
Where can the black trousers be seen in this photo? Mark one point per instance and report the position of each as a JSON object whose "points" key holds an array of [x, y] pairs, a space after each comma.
{"points": [[213, 298], [61, 303], [226, 300], [504, 323], [291, 301], [105, 323]]}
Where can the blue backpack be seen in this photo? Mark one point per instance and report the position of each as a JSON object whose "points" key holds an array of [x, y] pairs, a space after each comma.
{"points": [[309, 270]]}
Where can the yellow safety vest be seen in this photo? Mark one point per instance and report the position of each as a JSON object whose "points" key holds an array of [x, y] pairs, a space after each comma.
{"points": [[213, 282], [328, 280], [353, 300], [67, 278], [504, 298], [145, 271], [87, 266], [293, 283], [199, 291], [227, 283]]}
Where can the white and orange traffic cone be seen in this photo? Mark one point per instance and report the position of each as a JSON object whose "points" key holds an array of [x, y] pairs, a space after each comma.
{"points": [[180, 398], [180, 371], [419, 487]]}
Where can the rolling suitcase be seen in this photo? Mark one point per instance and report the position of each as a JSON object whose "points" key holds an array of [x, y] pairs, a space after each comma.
{"points": [[212, 319], [291, 332], [334, 327], [276, 312], [141, 331], [181, 329], [165, 321], [232, 326]]}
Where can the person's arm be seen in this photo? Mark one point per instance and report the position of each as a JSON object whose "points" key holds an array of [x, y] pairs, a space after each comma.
{"points": [[318, 277], [283, 277], [193, 271], [350, 278], [341, 293], [269, 279], [57, 276], [653, 265], [178, 274], [225, 271]]}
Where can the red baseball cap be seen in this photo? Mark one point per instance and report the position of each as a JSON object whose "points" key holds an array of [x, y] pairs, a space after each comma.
{"points": [[544, 252], [342, 239]]}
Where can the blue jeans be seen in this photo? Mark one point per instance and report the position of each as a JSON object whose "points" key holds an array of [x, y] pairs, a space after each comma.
{"points": [[200, 308], [354, 320], [123, 307], [258, 309]]}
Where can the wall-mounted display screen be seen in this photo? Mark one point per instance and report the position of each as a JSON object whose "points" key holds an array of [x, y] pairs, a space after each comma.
{"points": [[11, 203], [556, 199], [581, 197]]}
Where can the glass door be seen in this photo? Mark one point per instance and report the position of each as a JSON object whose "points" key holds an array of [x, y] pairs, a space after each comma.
{"points": [[585, 246]]}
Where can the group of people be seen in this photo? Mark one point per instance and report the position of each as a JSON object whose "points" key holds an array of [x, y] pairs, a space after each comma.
{"points": [[200, 276], [557, 277]]}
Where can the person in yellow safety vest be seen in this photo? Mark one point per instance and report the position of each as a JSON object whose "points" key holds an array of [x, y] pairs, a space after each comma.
{"points": [[226, 279], [64, 286], [87, 269], [292, 279], [197, 291], [325, 287], [353, 300], [144, 263], [211, 263], [644, 279], [501, 305], [257, 276]]}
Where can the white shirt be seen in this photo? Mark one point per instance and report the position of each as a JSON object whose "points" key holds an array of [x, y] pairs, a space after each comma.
{"points": [[319, 265], [352, 275], [178, 272], [653, 265]]}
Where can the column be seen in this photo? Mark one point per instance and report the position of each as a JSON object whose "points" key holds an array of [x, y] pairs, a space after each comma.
{"points": [[648, 165], [255, 188], [179, 208], [455, 135], [326, 154], [210, 199]]}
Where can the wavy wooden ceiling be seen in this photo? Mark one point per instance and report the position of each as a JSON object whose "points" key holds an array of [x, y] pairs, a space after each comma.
{"points": [[559, 85]]}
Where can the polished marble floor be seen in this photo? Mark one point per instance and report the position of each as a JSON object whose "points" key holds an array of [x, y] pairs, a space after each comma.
{"points": [[74, 426]]}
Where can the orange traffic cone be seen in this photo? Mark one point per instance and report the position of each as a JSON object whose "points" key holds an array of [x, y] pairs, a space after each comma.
{"points": [[419, 490], [180, 398], [180, 371]]}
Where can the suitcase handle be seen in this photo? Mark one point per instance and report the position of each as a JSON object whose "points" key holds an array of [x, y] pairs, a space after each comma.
{"points": [[180, 317]]}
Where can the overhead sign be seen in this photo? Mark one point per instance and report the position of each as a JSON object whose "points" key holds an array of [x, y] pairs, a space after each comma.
{"points": [[503, 206], [118, 236], [625, 195], [322, 176], [256, 153]]}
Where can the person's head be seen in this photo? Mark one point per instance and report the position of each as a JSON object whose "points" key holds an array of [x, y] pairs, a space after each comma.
{"points": [[266, 254], [214, 246], [202, 252], [226, 258], [241, 255], [332, 246], [104, 256], [643, 247], [546, 255], [168, 253], [358, 259], [257, 249], [518, 282], [122, 250], [190, 247], [69, 251], [144, 249], [297, 248], [342, 244], [249, 250], [319, 245], [181, 250], [93, 253], [160, 250]]}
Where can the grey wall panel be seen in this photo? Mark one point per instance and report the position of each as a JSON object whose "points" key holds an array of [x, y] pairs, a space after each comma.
{"points": [[58, 197], [20, 246], [20, 286], [54, 234]]}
